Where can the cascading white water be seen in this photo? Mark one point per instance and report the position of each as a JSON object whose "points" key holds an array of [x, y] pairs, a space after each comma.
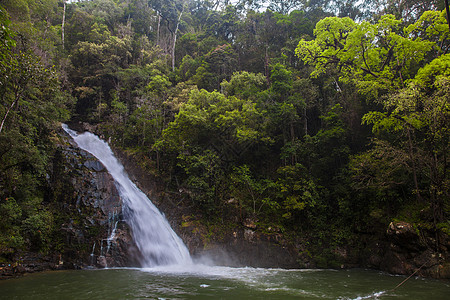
{"points": [[158, 243]]}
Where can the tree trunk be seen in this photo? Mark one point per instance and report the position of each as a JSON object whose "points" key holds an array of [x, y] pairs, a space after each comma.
{"points": [[306, 120], [266, 66], [292, 130], [157, 160], [175, 39], [448, 13], [63, 23], [7, 113], [411, 156], [158, 30]]}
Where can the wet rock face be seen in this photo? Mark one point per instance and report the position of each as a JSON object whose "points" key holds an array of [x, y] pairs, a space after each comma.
{"points": [[407, 250], [120, 251], [247, 247], [404, 235], [96, 189], [94, 232]]}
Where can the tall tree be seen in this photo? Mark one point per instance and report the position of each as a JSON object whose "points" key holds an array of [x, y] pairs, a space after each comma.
{"points": [[171, 12], [175, 35], [382, 61], [63, 23], [373, 56]]}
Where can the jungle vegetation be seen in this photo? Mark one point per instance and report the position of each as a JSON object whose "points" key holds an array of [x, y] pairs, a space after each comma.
{"points": [[317, 118]]}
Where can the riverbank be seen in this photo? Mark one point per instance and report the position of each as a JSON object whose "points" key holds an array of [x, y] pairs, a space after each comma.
{"points": [[29, 262]]}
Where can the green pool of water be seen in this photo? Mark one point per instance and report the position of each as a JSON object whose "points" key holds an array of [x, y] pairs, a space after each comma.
{"points": [[203, 282]]}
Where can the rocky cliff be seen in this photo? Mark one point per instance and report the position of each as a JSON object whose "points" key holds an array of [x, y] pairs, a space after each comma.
{"points": [[95, 234], [406, 249], [89, 230]]}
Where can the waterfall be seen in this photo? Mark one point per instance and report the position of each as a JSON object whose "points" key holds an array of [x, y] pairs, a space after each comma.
{"points": [[157, 242]]}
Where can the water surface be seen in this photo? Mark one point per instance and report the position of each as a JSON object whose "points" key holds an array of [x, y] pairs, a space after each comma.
{"points": [[203, 282]]}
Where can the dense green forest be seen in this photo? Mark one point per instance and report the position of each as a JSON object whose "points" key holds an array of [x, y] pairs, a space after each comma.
{"points": [[312, 118]]}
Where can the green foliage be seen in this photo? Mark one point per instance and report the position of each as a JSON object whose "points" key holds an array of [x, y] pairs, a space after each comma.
{"points": [[203, 177], [390, 59], [218, 65], [376, 57], [188, 67], [28, 224], [215, 120], [256, 196], [11, 213], [284, 142], [32, 103], [383, 170], [297, 190], [19, 9], [210, 131], [414, 134], [203, 78], [158, 84], [37, 227], [281, 81], [433, 26], [429, 75], [244, 85], [325, 153], [6, 34], [96, 62]]}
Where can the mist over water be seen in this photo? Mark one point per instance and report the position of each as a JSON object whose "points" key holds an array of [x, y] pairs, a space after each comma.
{"points": [[157, 242]]}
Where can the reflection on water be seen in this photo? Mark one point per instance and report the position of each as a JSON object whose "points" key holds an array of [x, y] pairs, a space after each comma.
{"points": [[205, 282]]}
